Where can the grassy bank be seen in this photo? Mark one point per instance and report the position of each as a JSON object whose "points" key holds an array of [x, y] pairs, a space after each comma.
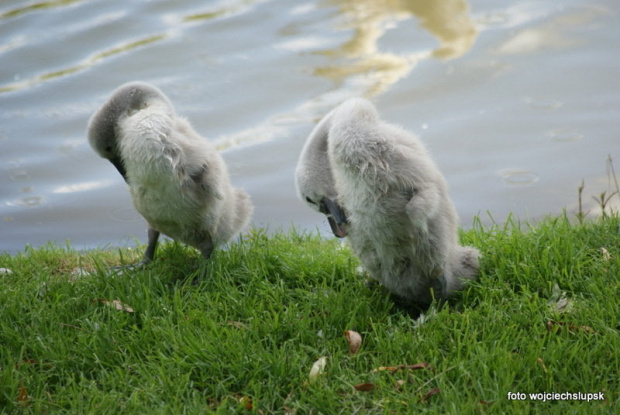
{"points": [[543, 317]]}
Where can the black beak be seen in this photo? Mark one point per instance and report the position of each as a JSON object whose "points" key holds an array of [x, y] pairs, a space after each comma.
{"points": [[118, 163], [335, 216]]}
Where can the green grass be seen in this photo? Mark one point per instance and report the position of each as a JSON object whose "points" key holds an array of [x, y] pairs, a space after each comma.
{"points": [[543, 317]]}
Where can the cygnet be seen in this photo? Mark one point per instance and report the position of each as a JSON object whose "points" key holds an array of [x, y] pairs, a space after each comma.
{"points": [[314, 180], [398, 216], [177, 180]]}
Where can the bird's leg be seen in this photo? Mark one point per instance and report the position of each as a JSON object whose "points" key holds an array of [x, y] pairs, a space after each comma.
{"points": [[206, 248], [149, 254]]}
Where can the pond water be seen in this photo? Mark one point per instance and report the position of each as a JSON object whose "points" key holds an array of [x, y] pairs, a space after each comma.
{"points": [[518, 102]]}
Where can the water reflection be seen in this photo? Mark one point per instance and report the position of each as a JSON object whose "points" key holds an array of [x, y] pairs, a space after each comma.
{"points": [[516, 177], [565, 136], [225, 9], [36, 6], [29, 201], [447, 20], [543, 103], [83, 187], [552, 34], [259, 134], [87, 63], [20, 175]]}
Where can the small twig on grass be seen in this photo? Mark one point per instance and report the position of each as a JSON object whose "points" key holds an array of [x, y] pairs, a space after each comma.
{"points": [[394, 369], [434, 378], [71, 325], [430, 393], [611, 173], [580, 215], [605, 197], [603, 200], [556, 327]]}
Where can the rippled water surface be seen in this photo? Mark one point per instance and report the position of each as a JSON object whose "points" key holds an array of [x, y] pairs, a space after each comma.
{"points": [[517, 101]]}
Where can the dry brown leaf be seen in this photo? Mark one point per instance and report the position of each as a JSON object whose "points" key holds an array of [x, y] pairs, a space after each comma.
{"points": [[354, 339], [70, 325], [364, 387], [542, 364], [399, 384], [22, 396], [430, 393], [236, 324], [246, 401], [394, 369], [556, 326], [117, 305]]}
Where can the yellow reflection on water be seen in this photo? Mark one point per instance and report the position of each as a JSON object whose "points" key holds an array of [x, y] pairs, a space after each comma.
{"points": [[219, 11], [87, 63], [35, 6], [447, 20]]}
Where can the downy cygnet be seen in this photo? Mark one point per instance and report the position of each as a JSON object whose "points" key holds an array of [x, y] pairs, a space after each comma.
{"points": [[178, 181], [379, 186]]}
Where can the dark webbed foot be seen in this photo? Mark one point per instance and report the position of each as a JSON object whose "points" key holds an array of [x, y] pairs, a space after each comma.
{"points": [[149, 254], [206, 248], [138, 266]]}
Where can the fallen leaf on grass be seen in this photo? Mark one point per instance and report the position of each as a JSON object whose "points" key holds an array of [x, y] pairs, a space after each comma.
{"points": [[564, 305], [116, 304], [78, 273], [558, 302], [246, 401], [317, 368], [394, 369], [236, 324], [25, 362], [399, 384], [430, 393], [542, 364], [354, 339], [70, 325], [556, 326], [364, 387], [22, 396], [606, 255]]}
